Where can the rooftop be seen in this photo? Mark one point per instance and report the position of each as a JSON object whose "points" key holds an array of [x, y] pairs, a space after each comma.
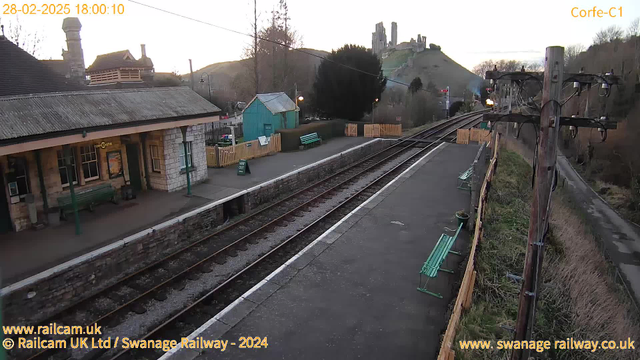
{"points": [[118, 59], [63, 112], [276, 102], [22, 73]]}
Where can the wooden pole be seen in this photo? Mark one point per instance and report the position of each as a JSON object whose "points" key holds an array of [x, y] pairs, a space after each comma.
{"points": [[540, 206]]}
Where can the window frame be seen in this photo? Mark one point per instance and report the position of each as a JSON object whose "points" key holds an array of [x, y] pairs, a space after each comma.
{"points": [[75, 166], [181, 155], [155, 156], [96, 160]]}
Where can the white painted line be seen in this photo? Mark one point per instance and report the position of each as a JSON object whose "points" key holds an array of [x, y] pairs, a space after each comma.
{"points": [[229, 307], [137, 236]]}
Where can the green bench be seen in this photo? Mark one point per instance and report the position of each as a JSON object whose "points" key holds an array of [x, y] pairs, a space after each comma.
{"points": [[435, 260], [87, 198], [464, 180], [310, 139]]}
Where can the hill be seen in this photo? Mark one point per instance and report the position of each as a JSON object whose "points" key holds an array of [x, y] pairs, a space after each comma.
{"points": [[232, 75], [430, 65]]}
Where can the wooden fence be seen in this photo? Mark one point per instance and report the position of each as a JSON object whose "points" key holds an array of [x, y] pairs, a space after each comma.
{"points": [[351, 130], [380, 130], [468, 281], [464, 136], [224, 156]]}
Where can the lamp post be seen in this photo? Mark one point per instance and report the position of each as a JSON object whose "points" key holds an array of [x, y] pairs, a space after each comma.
{"points": [[373, 109], [208, 82]]}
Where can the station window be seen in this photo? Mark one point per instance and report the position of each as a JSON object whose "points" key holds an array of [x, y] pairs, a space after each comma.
{"points": [[189, 157], [64, 175], [155, 157], [89, 162], [18, 179]]}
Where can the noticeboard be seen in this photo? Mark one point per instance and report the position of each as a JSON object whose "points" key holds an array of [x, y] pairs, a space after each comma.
{"points": [[243, 167]]}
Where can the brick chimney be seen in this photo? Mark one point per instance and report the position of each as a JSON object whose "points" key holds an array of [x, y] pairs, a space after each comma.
{"points": [[143, 50], [74, 56]]}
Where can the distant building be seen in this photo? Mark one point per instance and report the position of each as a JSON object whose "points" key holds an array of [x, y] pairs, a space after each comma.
{"points": [[379, 39], [394, 34], [121, 67], [267, 113]]}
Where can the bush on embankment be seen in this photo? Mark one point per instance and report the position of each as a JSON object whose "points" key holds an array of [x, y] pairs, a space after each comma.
{"points": [[579, 299], [325, 129]]}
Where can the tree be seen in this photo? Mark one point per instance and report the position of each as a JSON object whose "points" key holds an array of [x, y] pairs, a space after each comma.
{"points": [[348, 82], [611, 34], [416, 85], [29, 41], [503, 65], [634, 28], [571, 53]]}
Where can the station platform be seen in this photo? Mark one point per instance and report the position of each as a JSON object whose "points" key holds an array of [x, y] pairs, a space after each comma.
{"points": [[352, 292], [29, 252]]}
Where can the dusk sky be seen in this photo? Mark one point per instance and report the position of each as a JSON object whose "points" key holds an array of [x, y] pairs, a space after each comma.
{"points": [[468, 31]]}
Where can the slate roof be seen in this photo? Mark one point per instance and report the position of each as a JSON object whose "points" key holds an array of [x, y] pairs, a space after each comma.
{"points": [[56, 114], [59, 66], [116, 60], [276, 102], [21, 73]]}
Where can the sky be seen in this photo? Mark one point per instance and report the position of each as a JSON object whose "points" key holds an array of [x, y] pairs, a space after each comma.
{"points": [[468, 31]]}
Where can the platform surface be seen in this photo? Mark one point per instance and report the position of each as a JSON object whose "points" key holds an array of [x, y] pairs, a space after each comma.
{"points": [[352, 294], [29, 252]]}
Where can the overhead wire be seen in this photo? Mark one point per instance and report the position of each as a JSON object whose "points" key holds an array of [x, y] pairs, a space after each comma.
{"points": [[267, 40]]}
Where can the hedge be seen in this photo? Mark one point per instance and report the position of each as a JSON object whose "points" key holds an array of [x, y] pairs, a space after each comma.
{"points": [[326, 130]]}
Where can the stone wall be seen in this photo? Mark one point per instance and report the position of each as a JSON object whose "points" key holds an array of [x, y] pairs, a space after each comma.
{"points": [[60, 287], [175, 174]]}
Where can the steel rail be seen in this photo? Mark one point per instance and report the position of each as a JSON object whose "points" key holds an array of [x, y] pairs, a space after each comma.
{"points": [[289, 240], [422, 134]]}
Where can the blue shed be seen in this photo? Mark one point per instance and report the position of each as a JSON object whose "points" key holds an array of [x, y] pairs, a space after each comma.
{"points": [[267, 113]]}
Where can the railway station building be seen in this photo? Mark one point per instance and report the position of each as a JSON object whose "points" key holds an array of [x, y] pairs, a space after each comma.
{"points": [[55, 134]]}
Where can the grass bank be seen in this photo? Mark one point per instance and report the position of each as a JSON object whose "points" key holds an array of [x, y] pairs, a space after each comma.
{"points": [[580, 297]]}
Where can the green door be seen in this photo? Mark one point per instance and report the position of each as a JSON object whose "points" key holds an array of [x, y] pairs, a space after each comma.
{"points": [[134, 166], [5, 218]]}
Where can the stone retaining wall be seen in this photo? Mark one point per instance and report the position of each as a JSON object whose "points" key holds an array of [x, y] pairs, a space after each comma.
{"points": [[57, 288]]}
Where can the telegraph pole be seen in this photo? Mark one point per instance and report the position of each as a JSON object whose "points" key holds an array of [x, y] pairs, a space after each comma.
{"points": [[540, 207]]}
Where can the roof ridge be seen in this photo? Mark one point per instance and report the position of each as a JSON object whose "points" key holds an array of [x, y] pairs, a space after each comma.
{"points": [[90, 92]]}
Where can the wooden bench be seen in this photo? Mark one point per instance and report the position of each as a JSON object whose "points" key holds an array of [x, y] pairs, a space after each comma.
{"points": [[435, 260], [310, 139], [464, 180], [87, 198]]}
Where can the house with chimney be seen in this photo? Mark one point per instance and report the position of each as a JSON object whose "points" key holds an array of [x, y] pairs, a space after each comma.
{"points": [[121, 67], [114, 70], [60, 136]]}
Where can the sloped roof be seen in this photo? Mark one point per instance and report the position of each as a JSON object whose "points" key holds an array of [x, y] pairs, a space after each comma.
{"points": [[59, 66], [21, 73], [116, 60], [31, 115], [276, 102]]}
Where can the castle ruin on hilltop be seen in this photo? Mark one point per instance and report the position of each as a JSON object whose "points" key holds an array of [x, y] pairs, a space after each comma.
{"points": [[379, 44]]}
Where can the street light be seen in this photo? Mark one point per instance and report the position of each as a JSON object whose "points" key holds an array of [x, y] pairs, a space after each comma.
{"points": [[208, 82], [373, 109]]}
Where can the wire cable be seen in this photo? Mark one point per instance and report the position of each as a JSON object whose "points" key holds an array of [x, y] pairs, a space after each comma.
{"points": [[267, 40]]}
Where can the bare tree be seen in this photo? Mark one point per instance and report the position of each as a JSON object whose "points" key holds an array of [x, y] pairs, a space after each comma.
{"points": [[571, 53], [28, 40], [634, 28], [504, 65], [611, 34]]}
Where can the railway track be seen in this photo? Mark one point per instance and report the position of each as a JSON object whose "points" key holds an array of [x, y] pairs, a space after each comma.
{"points": [[158, 282]]}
